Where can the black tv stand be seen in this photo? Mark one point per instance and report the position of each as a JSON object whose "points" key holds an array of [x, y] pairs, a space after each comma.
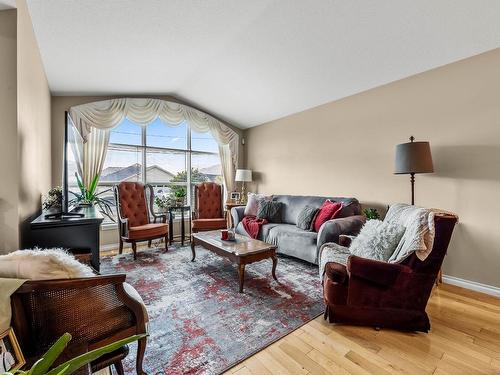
{"points": [[79, 234]]}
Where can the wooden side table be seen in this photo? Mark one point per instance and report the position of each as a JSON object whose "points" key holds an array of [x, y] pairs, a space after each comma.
{"points": [[180, 209], [227, 208]]}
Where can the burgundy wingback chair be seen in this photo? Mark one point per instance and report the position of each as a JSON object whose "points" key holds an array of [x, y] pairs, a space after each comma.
{"points": [[137, 220], [386, 295], [208, 211]]}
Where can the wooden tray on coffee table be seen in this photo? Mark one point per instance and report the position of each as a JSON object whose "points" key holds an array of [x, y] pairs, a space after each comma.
{"points": [[242, 251]]}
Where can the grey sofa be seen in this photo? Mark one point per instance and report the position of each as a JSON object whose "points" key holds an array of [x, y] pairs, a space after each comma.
{"points": [[299, 243]]}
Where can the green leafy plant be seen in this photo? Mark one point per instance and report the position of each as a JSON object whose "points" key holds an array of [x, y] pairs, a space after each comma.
{"points": [[181, 193], [42, 366], [164, 201], [180, 196], [91, 196], [371, 213]]}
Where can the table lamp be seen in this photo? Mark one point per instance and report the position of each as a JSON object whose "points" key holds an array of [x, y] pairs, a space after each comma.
{"points": [[243, 175], [412, 158]]}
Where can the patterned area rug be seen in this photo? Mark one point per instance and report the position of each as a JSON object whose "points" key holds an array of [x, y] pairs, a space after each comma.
{"points": [[199, 323]]}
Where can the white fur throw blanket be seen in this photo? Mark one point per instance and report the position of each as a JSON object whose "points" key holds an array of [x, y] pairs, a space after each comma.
{"points": [[22, 265]]}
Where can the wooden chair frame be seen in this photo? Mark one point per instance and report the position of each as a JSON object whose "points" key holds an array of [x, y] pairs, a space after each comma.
{"points": [[29, 331]]}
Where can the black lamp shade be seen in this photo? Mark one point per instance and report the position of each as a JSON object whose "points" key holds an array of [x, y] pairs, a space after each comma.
{"points": [[413, 157]]}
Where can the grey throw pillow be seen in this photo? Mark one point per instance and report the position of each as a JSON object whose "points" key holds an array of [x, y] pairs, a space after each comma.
{"points": [[270, 210], [377, 240], [305, 217]]}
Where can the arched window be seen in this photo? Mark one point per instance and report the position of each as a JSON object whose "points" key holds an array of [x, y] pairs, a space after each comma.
{"points": [[161, 155]]}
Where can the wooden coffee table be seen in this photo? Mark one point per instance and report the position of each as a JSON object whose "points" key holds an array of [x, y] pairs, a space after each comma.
{"points": [[243, 251]]}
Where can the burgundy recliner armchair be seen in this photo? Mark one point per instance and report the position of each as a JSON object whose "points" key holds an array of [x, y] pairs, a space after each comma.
{"points": [[386, 295]]}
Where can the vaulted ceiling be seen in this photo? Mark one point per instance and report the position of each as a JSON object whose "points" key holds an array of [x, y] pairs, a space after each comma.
{"points": [[7, 4], [249, 62]]}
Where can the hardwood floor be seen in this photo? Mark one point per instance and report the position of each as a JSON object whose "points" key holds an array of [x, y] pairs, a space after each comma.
{"points": [[464, 339]]}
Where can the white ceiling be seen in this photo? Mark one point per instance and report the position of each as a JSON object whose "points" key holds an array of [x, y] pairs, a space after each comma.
{"points": [[7, 4], [249, 62]]}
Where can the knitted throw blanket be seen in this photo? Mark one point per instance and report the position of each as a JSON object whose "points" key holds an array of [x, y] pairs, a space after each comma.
{"points": [[252, 225], [332, 252], [419, 233]]}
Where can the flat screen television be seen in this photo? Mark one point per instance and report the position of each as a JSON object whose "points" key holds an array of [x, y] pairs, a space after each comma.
{"points": [[72, 151]]}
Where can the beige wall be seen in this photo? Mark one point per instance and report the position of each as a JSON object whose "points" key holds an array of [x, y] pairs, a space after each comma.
{"points": [[8, 124], [63, 103], [346, 148], [33, 121], [25, 119]]}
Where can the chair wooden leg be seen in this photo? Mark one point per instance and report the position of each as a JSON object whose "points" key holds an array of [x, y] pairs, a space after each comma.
{"points": [[149, 243], [120, 250], [141, 348], [166, 243], [119, 368], [134, 249]]}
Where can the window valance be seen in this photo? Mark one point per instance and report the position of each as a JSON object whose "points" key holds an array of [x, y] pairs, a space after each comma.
{"points": [[95, 120], [108, 114]]}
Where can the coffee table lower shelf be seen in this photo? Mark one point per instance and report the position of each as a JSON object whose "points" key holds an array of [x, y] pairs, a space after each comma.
{"points": [[241, 252]]}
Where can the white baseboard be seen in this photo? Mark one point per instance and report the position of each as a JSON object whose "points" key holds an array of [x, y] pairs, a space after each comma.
{"points": [[472, 285], [114, 246], [108, 247]]}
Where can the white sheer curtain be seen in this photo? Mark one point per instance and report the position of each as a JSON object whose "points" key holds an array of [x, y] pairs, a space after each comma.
{"points": [[95, 120]]}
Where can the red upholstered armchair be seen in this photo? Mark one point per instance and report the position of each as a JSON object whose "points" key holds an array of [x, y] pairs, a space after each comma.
{"points": [[136, 218], [379, 294], [208, 211]]}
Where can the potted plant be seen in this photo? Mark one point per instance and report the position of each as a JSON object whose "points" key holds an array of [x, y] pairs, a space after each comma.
{"points": [[371, 214], [180, 196], [89, 196], [163, 202], [42, 366]]}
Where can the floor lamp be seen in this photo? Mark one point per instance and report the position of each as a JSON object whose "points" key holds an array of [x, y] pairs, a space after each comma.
{"points": [[412, 158]]}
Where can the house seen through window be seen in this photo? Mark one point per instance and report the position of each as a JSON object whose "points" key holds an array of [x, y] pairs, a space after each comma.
{"points": [[165, 156]]}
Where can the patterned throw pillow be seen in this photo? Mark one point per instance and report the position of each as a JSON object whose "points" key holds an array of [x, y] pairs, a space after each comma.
{"points": [[377, 240], [305, 217], [253, 201], [270, 210]]}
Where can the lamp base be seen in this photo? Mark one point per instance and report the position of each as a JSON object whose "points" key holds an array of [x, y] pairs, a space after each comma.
{"points": [[243, 198]]}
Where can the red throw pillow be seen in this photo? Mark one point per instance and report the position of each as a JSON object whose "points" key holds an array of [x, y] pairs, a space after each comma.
{"points": [[329, 210]]}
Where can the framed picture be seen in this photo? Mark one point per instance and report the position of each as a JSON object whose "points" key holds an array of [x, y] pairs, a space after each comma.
{"points": [[11, 357], [235, 196]]}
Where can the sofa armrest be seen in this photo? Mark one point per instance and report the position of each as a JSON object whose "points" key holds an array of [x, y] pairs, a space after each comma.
{"points": [[237, 214], [374, 271], [332, 229], [336, 272], [345, 240]]}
